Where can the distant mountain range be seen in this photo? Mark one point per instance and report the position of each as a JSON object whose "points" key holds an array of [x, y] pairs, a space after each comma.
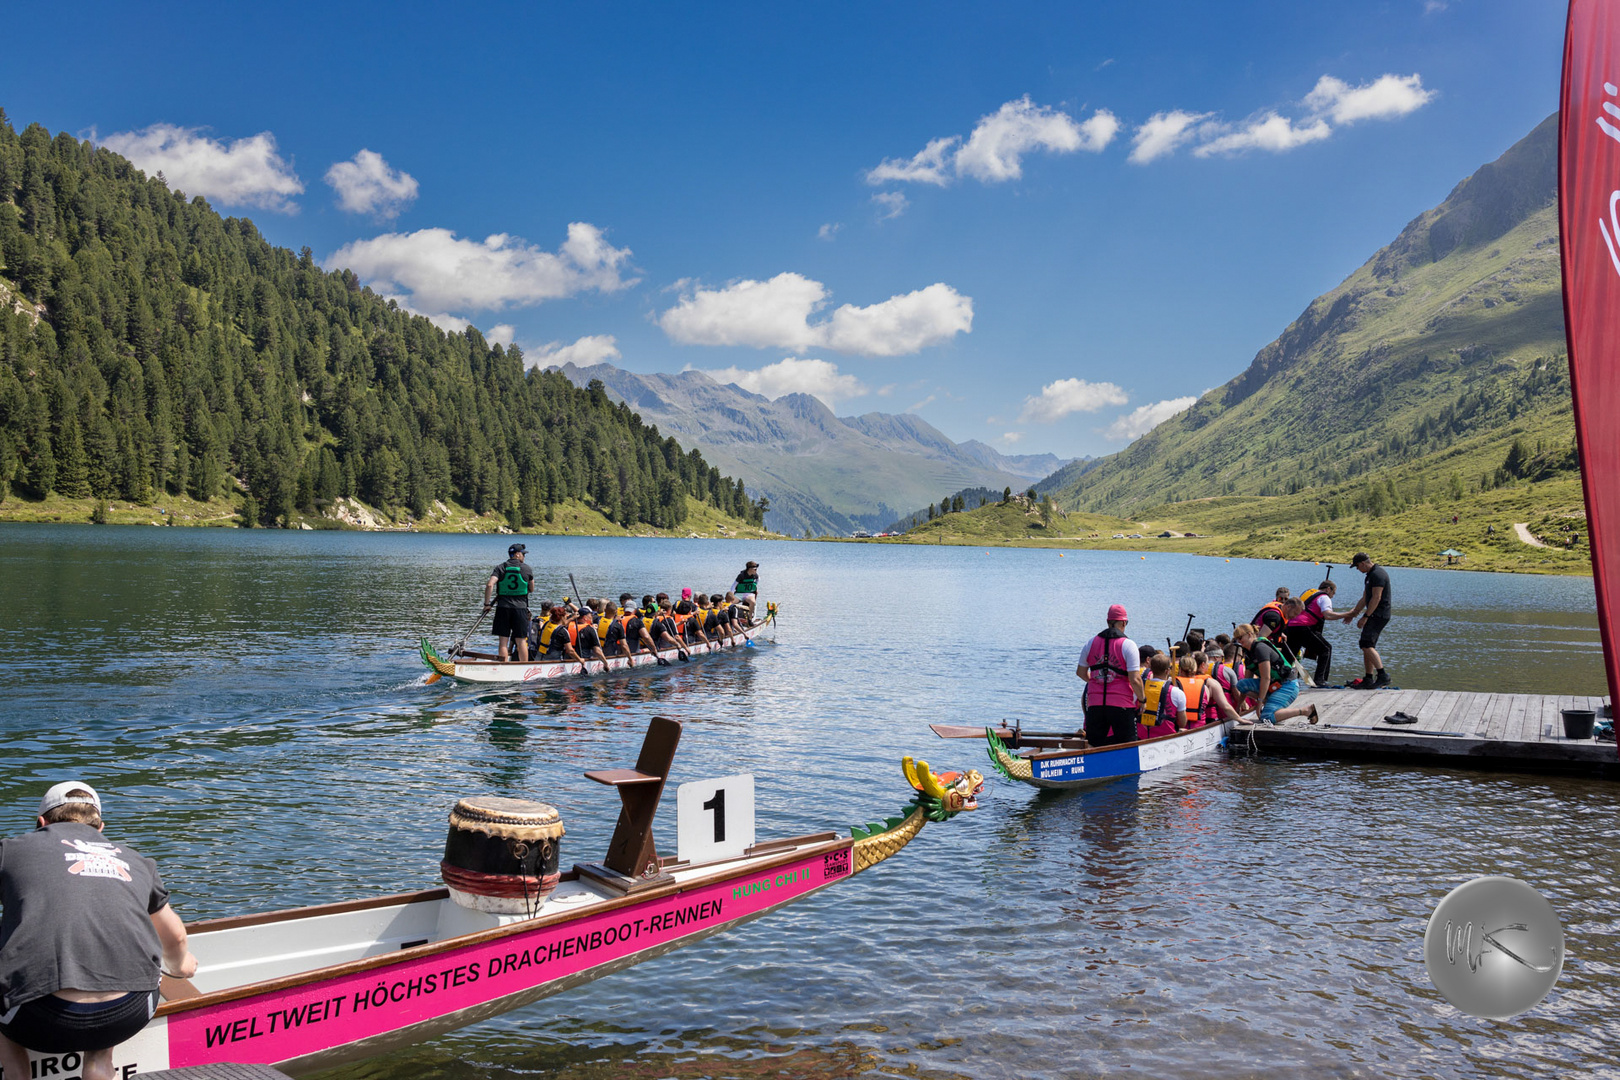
{"points": [[822, 472]]}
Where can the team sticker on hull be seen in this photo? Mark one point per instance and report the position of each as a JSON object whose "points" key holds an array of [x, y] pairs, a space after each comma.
{"points": [[1093, 766]]}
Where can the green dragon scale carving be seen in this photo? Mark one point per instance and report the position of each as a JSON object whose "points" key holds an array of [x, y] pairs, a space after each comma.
{"points": [[938, 798]]}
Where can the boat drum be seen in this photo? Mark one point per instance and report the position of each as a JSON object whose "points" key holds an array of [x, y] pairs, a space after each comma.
{"points": [[501, 854]]}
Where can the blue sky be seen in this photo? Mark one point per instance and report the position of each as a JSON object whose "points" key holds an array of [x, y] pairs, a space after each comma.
{"points": [[1134, 198]]}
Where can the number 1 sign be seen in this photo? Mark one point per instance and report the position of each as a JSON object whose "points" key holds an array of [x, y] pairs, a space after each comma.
{"points": [[714, 819]]}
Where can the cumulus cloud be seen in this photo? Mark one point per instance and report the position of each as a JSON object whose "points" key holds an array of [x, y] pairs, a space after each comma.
{"points": [[1011, 437], [441, 271], [1163, 133], [828, 231], [1268, 131], [777, 313], [1384, 98], [994, 151], [367, 184], [1140, 421], [585, 351], [243, 172], [791, 375], [893, 204], [501, 334], [1058, 399]]}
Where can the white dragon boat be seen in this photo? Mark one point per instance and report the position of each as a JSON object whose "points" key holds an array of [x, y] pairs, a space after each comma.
{"points": [[305, 989], [475, 667]]}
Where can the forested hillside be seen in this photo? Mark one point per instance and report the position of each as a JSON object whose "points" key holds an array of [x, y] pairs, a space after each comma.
{"points": [[148, 345], [1434, 373]]}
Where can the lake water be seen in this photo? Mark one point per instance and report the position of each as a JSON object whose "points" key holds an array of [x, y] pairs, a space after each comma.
{"points": [[251, 706]]}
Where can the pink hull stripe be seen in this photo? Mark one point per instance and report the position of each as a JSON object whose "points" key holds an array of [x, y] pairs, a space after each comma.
{"points": [[282, 1025]]}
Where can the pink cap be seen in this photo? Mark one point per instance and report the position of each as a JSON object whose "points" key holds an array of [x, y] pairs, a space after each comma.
{"points": [[686, 594], [1116, 613]]}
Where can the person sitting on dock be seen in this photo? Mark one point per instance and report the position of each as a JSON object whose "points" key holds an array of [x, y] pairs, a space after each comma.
{"points": [[507, 592], [86, 935], [1111, 668], [1274, 682], [1164, 705]]}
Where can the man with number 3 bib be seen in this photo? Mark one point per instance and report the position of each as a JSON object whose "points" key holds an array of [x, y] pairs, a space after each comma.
{"points": [[507, 591]]}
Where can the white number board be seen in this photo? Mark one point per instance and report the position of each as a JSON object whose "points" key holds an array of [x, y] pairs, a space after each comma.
{"points": [[714, 819]]}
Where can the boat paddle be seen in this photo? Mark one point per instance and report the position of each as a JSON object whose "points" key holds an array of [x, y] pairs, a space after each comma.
{"points": [[583, 670], [455, 650]]}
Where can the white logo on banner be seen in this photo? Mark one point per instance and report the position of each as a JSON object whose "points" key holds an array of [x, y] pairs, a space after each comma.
{"points": [[1613, 223]]}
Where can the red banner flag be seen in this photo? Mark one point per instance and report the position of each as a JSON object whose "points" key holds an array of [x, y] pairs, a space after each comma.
{"points": [[1589, 235]]}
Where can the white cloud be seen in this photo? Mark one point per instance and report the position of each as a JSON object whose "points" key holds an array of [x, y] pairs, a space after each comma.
{"points": [[244, 172], [1268, 131], [776, 314], [893, 204], [995, 149], [1385, 98], [441, 271], [828, 231], [1163, 133], [501, 334], [930, 165], [918, 406], [585, 351], [1138, 422], [369, 185], [1058, 399], [1011, 437], [792, 375]]}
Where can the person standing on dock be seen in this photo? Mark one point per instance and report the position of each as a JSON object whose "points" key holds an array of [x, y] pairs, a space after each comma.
{"points": [[1111, 668], [507, 591], [1304, 631], [86, 934], [1374, 609]]}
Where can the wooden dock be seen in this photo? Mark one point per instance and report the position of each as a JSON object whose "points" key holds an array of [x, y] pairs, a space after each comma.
{"points": [[1521, 732]]}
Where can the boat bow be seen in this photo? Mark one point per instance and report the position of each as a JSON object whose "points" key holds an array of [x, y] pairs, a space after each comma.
{"points": [[938, 798]]}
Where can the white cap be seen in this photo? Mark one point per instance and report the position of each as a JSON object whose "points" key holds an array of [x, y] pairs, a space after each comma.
{"points": [[58, 796]]}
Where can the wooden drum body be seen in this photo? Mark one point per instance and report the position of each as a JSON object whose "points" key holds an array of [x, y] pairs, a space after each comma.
{"points": [[501, 854]]}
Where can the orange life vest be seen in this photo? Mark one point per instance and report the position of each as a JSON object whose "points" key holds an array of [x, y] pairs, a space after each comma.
{"points": [[1193, 687]]}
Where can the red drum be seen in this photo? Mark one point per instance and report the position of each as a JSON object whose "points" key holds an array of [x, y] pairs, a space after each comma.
{"points": [[501, 854]]}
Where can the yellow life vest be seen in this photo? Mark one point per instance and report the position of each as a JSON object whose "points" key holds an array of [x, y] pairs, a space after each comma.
{"points": [[602, 625], [545, 633], [1157, 693]]}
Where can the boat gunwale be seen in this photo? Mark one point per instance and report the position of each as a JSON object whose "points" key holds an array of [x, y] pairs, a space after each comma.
{"points": [[1212, 725], [671, 651], [367, 963]]}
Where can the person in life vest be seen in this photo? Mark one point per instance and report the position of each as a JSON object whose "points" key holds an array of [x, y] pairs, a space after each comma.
{"points": [[748, 580], [1275, 605], [1274, 682], [1164, 705], [507, 591], [688, 626], [1304, 631], [666, 632], [551, 638], [583, 637], [1111, 668], [627, 635], [1207, 700]]}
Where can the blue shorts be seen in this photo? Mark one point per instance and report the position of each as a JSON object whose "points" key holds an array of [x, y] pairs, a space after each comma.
{"points": [[1282, 695]]}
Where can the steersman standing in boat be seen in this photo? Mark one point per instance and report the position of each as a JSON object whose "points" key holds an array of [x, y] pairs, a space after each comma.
{"points": [[507, 591]]}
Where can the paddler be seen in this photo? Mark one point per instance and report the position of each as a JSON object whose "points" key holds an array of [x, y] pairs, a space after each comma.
{"points": [[507, 591], [1164, 705], [86, 933], [1111, 668], [1273, 682], [551, 637], [627, 635], [583, 637]]}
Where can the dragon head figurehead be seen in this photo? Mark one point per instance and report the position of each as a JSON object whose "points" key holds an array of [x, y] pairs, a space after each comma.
{"points": [[944, 795]]}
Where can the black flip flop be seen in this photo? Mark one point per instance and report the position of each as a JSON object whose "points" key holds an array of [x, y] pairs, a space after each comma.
{"points": [[1400, 718]]}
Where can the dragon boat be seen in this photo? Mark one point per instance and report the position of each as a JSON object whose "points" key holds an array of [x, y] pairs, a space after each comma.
{"points": [[1066, 762], [309, 988], [477, 667]]}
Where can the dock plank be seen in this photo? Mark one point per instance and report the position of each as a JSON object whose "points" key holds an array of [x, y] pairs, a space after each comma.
{"points": [[1434, 709], [1496, 716], [1466, 716], [1513, 729]]}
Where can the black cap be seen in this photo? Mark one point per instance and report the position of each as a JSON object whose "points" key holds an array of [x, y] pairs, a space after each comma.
{"points": [[1359, 557], [515, 548], [626, 596], [755, 564]]}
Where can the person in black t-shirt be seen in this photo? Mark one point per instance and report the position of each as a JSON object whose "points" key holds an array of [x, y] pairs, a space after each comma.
{"points": [[507, 591], [1374, 609], [587, 642]]}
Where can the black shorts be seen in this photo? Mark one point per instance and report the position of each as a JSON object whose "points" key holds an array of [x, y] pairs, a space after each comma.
{"points": [[51, 1025], [511, 622], [1370, 632]]}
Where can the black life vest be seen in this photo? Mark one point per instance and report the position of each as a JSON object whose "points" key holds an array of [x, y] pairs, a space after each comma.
{"points": [[512, 581]]}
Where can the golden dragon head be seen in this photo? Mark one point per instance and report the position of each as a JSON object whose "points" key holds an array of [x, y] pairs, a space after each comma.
{"points": [[944, 795]]}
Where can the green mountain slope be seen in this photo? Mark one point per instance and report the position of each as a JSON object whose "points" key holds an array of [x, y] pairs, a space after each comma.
{"points": [[150, 348], [1434, 376]]}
